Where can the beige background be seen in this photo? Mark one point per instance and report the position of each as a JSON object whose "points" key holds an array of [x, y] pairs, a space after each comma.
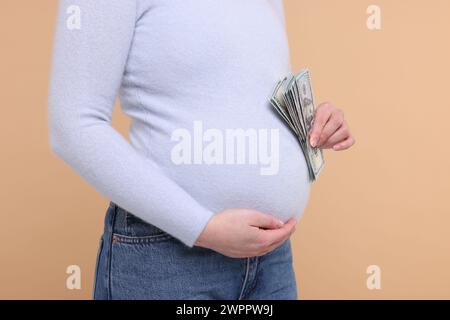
{"points": [[386, 202]]}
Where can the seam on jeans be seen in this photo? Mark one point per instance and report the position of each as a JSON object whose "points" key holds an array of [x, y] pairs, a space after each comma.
{"points": [[97, 265], [113, 221], [253, 285], [127, 216], [118, 238], [247, 269]]}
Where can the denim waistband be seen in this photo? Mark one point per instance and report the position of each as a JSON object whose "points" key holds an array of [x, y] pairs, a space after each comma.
{"points": [[123, 222], [115, 219]]}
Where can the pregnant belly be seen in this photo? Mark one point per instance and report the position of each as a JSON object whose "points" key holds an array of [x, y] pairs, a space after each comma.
{"points": [[280, 189]]}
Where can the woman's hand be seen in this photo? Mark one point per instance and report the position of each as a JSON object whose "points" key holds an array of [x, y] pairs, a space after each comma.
{"points": [[330, 130], [242, 233]]}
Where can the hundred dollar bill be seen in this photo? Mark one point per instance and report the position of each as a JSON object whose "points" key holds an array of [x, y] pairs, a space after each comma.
{"points": [[303, 81], [293, 99]]}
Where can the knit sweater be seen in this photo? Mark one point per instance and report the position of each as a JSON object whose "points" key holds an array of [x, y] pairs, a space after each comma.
{"points": [[194, 76]]}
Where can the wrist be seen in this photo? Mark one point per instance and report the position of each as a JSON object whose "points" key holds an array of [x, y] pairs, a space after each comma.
{"points": [[202, 240]]}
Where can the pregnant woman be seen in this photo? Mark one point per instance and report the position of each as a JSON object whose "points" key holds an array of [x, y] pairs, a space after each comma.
{"points": [[207, 190]]}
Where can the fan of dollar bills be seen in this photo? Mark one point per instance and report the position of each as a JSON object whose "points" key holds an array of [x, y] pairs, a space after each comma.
{"points": [[293, 99]]}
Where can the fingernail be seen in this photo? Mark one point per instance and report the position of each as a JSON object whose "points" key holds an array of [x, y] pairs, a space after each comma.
{"points": [[336, 147], [313, 141], [280, 223]]}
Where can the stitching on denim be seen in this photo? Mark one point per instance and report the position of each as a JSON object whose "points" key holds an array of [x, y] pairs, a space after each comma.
{"points": [[97, 265], [247, 269], [252, 287], [127, 222], [131, 235], [109, 273], [118, 238]]}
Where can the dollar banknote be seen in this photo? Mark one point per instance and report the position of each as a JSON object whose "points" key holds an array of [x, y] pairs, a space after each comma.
{"points": [[293, 99]]}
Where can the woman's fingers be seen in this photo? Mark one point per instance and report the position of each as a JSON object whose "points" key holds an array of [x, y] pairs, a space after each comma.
{"points": [[275, 245], [339, 136], [275, 235], [241, 233], [335, 121], [347, 143], [323, 114], [265, 221], [330, 130]]}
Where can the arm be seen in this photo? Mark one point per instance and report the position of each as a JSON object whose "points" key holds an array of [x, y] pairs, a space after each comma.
{"points": [[87, 69]]}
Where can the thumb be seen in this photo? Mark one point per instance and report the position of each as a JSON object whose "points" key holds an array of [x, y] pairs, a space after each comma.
{"points": [[265, 221]]}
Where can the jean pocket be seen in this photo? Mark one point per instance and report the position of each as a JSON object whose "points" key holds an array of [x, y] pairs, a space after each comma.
{"points": [[137, 231]]}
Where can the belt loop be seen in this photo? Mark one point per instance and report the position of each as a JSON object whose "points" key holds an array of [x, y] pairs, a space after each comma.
{"points": [[111, 218]]}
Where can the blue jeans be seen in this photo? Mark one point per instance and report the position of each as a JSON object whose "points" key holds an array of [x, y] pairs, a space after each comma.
{"points": [[136, 260]]}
